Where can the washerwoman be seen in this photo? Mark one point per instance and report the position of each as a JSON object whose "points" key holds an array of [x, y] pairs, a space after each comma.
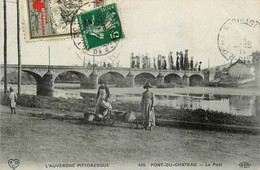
{"points": [[102, 95], [147, 107]]}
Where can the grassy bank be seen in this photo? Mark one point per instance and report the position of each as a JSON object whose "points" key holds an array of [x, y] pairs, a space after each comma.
{"points": [[162, 112], [37, 141]]}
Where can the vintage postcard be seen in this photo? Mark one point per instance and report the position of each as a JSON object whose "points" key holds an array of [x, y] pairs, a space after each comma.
{"points": [[53, 19], [130, 84]]}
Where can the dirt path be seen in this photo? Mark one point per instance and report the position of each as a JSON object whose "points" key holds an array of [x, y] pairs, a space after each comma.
{"points": [[43, 136]]}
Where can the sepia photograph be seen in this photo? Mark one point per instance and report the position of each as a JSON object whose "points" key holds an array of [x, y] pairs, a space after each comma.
{"points": [[130, 84]]}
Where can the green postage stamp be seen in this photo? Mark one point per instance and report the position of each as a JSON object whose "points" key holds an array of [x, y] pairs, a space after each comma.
{"points": [[100, 26]]}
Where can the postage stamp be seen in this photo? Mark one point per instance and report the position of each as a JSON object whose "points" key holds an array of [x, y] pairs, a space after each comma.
{"points": [[100, 26], [237, 40], [50, 18], [76, 35]]}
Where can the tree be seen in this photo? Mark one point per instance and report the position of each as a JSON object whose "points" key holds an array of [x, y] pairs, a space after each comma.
{"points": [[137, 61], [186, 60], [256, 64], [154, 63], [5, 49], [132, 60], [159, 61], [170, 61], [18, 47], [177, 61], [163, 62], [217, 73], [256, 58], [143, 62], [181, 61], [191, 63]]}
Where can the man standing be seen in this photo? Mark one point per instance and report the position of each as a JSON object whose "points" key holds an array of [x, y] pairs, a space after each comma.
{"points": [[13, 99]]}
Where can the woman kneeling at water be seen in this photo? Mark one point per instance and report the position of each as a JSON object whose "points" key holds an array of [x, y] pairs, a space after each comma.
{"points": [[147, 107]]}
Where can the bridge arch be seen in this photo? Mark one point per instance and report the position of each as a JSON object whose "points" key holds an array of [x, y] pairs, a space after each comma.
{"points": [[142, 78], [35, 75], [196, 80], [28, 77], [72, 77], [173, 78], [113, 78]]}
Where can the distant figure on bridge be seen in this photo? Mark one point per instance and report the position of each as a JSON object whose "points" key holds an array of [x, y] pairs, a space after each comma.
{"points": [[89, 64], [103, 95], [199, 69], [147, 108], [13, 99], [109, 65]]}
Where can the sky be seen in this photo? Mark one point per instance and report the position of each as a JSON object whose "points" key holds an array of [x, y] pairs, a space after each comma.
{"points": [[151, 26]]}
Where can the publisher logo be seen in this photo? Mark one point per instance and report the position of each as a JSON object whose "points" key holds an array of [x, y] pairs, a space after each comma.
{"points": [[13, 163], [244, 164]]}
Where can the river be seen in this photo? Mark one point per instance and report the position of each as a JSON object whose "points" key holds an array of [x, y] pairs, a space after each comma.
{"points": [[229, 100]]}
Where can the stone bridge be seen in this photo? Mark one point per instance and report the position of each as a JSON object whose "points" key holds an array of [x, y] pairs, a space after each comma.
{"points": [[45, 75]]}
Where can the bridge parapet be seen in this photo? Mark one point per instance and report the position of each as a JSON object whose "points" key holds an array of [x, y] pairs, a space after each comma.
{"points": [[87, 79], [58, 69]]}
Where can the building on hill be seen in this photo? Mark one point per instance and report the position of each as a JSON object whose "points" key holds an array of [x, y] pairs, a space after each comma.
{"points": [[219, 67], [233, 75], [239, 69]]}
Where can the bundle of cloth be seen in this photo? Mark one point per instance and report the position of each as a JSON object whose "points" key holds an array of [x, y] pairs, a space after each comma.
{"points": [[134, 118]]}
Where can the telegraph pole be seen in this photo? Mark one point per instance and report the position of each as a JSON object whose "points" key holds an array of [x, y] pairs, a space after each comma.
{"points": [[208, 63], [94, 62], [5, 49], [49, 60], [18, 47]]}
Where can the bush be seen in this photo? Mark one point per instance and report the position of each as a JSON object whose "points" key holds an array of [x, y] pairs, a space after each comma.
{"points": [[5, 99]]}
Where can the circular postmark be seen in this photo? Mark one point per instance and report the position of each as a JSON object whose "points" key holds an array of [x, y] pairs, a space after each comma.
{"points": [[77, 37], [238, 39]]}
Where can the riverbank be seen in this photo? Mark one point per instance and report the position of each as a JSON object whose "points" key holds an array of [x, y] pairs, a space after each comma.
{"points": [[162, 112], [139, 90], [172, 91]]}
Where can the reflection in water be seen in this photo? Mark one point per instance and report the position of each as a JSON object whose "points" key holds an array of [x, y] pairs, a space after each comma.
{"points": [[235, 104], [239, 105]]}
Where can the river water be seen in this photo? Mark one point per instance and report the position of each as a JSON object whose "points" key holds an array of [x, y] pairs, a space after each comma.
{"points": [[229, 100]]}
